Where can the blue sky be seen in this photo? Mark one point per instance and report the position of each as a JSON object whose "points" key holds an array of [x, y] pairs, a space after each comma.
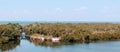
{"points": [[60, 10]]}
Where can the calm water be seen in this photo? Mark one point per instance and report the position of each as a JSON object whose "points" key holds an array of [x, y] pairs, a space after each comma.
{"points": [[29, 22], [27, 46]]}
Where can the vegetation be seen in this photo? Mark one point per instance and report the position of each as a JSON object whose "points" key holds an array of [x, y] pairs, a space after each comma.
{"points": [[82, 32], [9, 32], [68, 32]]}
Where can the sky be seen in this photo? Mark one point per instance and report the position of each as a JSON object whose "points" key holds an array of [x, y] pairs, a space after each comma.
{"points": [[60, 10]]}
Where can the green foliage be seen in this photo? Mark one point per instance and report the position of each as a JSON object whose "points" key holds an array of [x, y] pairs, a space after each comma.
{"points": [[9, 31], [68, 32], [76, 32]]}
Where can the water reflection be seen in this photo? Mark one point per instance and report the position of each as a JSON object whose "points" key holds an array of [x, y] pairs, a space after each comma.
{"points": [[50, 43], [48, 46], [9, 45]]}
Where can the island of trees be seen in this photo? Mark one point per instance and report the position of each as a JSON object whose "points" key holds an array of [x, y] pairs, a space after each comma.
{"points": [[82, 32], [68, 32]]}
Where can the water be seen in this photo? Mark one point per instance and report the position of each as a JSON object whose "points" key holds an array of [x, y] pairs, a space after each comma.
{"points": [[23, 35], [27, 46], [30, 22]]}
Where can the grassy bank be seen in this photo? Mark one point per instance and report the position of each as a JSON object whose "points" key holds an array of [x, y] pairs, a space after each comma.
{"points": [[83, 32]]}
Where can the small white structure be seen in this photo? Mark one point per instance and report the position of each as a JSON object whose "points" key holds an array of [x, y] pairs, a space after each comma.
{"points": [[23, 35], [55, 39]]}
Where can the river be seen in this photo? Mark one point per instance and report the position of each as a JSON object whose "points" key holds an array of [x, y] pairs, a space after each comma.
{"points": [[27, 46]]}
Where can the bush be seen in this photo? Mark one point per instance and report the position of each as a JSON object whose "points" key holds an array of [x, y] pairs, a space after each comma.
{"points": [[76, 32]]}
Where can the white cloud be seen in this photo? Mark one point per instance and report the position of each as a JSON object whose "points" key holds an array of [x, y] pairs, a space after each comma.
{"points": [[81, 11], [58, 10], [106, 12], [21, 12], [82, 8]]}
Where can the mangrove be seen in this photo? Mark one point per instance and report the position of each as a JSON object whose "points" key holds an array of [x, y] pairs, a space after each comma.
{"points": [[80, 32]]}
